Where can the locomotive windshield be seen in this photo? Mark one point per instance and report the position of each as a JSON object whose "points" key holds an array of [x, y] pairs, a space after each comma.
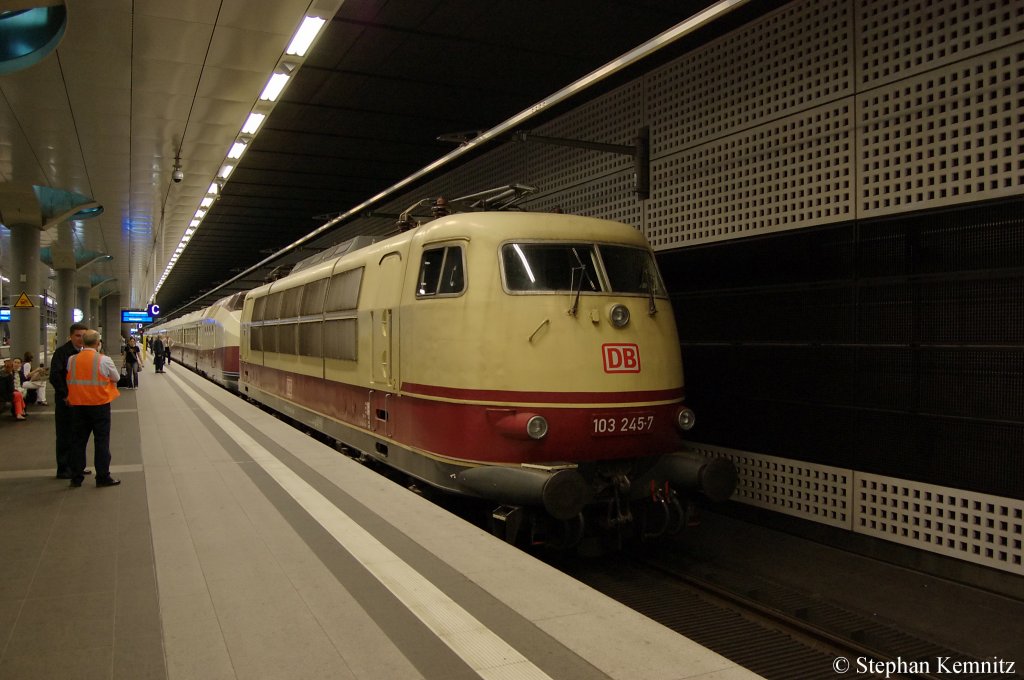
{"points": [[564, 267]]}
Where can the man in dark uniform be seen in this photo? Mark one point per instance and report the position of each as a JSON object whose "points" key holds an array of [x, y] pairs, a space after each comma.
{"points": [[158, 354], [62, 411]]}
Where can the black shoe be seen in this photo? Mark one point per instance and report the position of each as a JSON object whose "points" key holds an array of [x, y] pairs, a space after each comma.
{"points": [[63, 474], [76, 482], [107, 481]]}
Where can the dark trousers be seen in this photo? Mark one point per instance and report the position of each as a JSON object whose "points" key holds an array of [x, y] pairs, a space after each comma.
{"points": [[65, 434], [158, 361], [95, 421]]}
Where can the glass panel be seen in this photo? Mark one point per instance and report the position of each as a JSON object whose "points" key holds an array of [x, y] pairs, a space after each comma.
{"points": [[452, 278], [430, 271], [550, 266], [313, 297], [256, 338], [631, 270], [270, 338], [340, 339]]}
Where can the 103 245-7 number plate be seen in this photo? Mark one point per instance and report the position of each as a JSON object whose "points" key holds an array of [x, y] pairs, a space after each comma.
{"points": [[611, 424]]}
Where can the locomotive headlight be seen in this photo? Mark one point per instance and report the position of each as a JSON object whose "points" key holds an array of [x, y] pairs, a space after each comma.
{"points": [[685, 419], [537, 427], [618, 315]]}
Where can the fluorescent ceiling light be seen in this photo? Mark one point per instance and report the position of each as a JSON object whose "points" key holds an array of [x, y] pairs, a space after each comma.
{"points": [[252, 124], [225, 171], [190, 231], [193, 224], [206, 202], [237, 149], [214, 188], [305, 35], [200, 214], [274, 86]]}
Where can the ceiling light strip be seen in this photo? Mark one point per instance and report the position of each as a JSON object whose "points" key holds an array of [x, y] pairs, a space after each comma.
{"points": [[645, 50], [287, 65]]}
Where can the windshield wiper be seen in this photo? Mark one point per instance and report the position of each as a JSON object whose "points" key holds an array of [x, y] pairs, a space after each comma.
{"points": [[649, 281], [572, 277]]}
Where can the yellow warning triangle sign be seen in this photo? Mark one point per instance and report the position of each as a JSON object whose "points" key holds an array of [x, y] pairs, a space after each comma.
{"points": [[23, 302]]}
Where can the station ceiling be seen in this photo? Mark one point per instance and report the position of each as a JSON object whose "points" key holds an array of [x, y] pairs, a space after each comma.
{"points": [[135, 83]]}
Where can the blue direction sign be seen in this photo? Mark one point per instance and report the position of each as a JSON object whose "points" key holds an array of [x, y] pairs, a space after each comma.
{"points": [[136, 316]]}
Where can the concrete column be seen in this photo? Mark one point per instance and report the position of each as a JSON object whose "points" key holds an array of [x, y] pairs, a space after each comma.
{"points": [[65, 299], [112, 323], [82, 303], [25, 265], [94, 312]]}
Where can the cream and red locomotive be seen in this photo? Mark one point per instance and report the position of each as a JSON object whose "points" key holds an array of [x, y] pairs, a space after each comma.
{"points": [[531, 359], [206, 341]]}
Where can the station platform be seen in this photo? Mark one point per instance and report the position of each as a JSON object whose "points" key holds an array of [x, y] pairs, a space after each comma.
{"points": [[238, 547]]}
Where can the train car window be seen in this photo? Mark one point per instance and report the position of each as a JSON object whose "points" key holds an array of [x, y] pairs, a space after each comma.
{"points": [[256, 338], [546, 267], [311, 338], [442, 272], [286, 343], [259, 309], [343, 293], [631, 270], [340, 339], [313, 297], [290, 303]]}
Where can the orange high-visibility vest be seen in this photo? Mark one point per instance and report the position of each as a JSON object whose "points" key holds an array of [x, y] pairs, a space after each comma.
{"points": [[86, 386]]}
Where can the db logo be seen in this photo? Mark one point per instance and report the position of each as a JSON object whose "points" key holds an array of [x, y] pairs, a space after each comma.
{"points": [[621, 358]]}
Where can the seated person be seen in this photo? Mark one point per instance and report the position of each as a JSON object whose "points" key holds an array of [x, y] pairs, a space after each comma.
{"points": [[33, 380], [9, 390]]}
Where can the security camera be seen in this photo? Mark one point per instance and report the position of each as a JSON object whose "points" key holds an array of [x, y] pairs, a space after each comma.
{"points": [[177, 175]]}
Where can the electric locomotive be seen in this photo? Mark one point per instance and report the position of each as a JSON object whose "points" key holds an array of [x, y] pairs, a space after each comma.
{"points": [[530, 359]]}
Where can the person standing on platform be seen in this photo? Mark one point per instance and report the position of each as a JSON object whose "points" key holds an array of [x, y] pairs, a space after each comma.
{"points": [[158, 354], [92, 384], [167, 350], [132, 360], [61, 410]]}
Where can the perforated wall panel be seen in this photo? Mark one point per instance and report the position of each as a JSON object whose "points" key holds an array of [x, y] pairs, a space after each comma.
{"points": [[900, 39], [976, 527], [970, 526], [795, 172], [806, 490], [795, 58], [948, 136]]}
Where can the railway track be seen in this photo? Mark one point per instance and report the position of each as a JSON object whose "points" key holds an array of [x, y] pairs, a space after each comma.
{"points": [[774, 631]]}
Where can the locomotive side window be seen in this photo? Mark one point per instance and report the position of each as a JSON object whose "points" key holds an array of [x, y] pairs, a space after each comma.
{"points": [[442, 272], [290, 302], [259, 308], [311, 339], [549, 267], [340, 341], [631, 270]]}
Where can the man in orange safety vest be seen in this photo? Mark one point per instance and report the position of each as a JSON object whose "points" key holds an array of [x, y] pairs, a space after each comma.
{"points": [[92, 385]]}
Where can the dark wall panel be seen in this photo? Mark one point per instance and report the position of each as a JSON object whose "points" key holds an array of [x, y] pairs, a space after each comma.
{"points": [[893, 346]]}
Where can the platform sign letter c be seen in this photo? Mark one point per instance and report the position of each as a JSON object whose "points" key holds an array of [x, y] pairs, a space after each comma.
{"points": [[621, 358]]}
